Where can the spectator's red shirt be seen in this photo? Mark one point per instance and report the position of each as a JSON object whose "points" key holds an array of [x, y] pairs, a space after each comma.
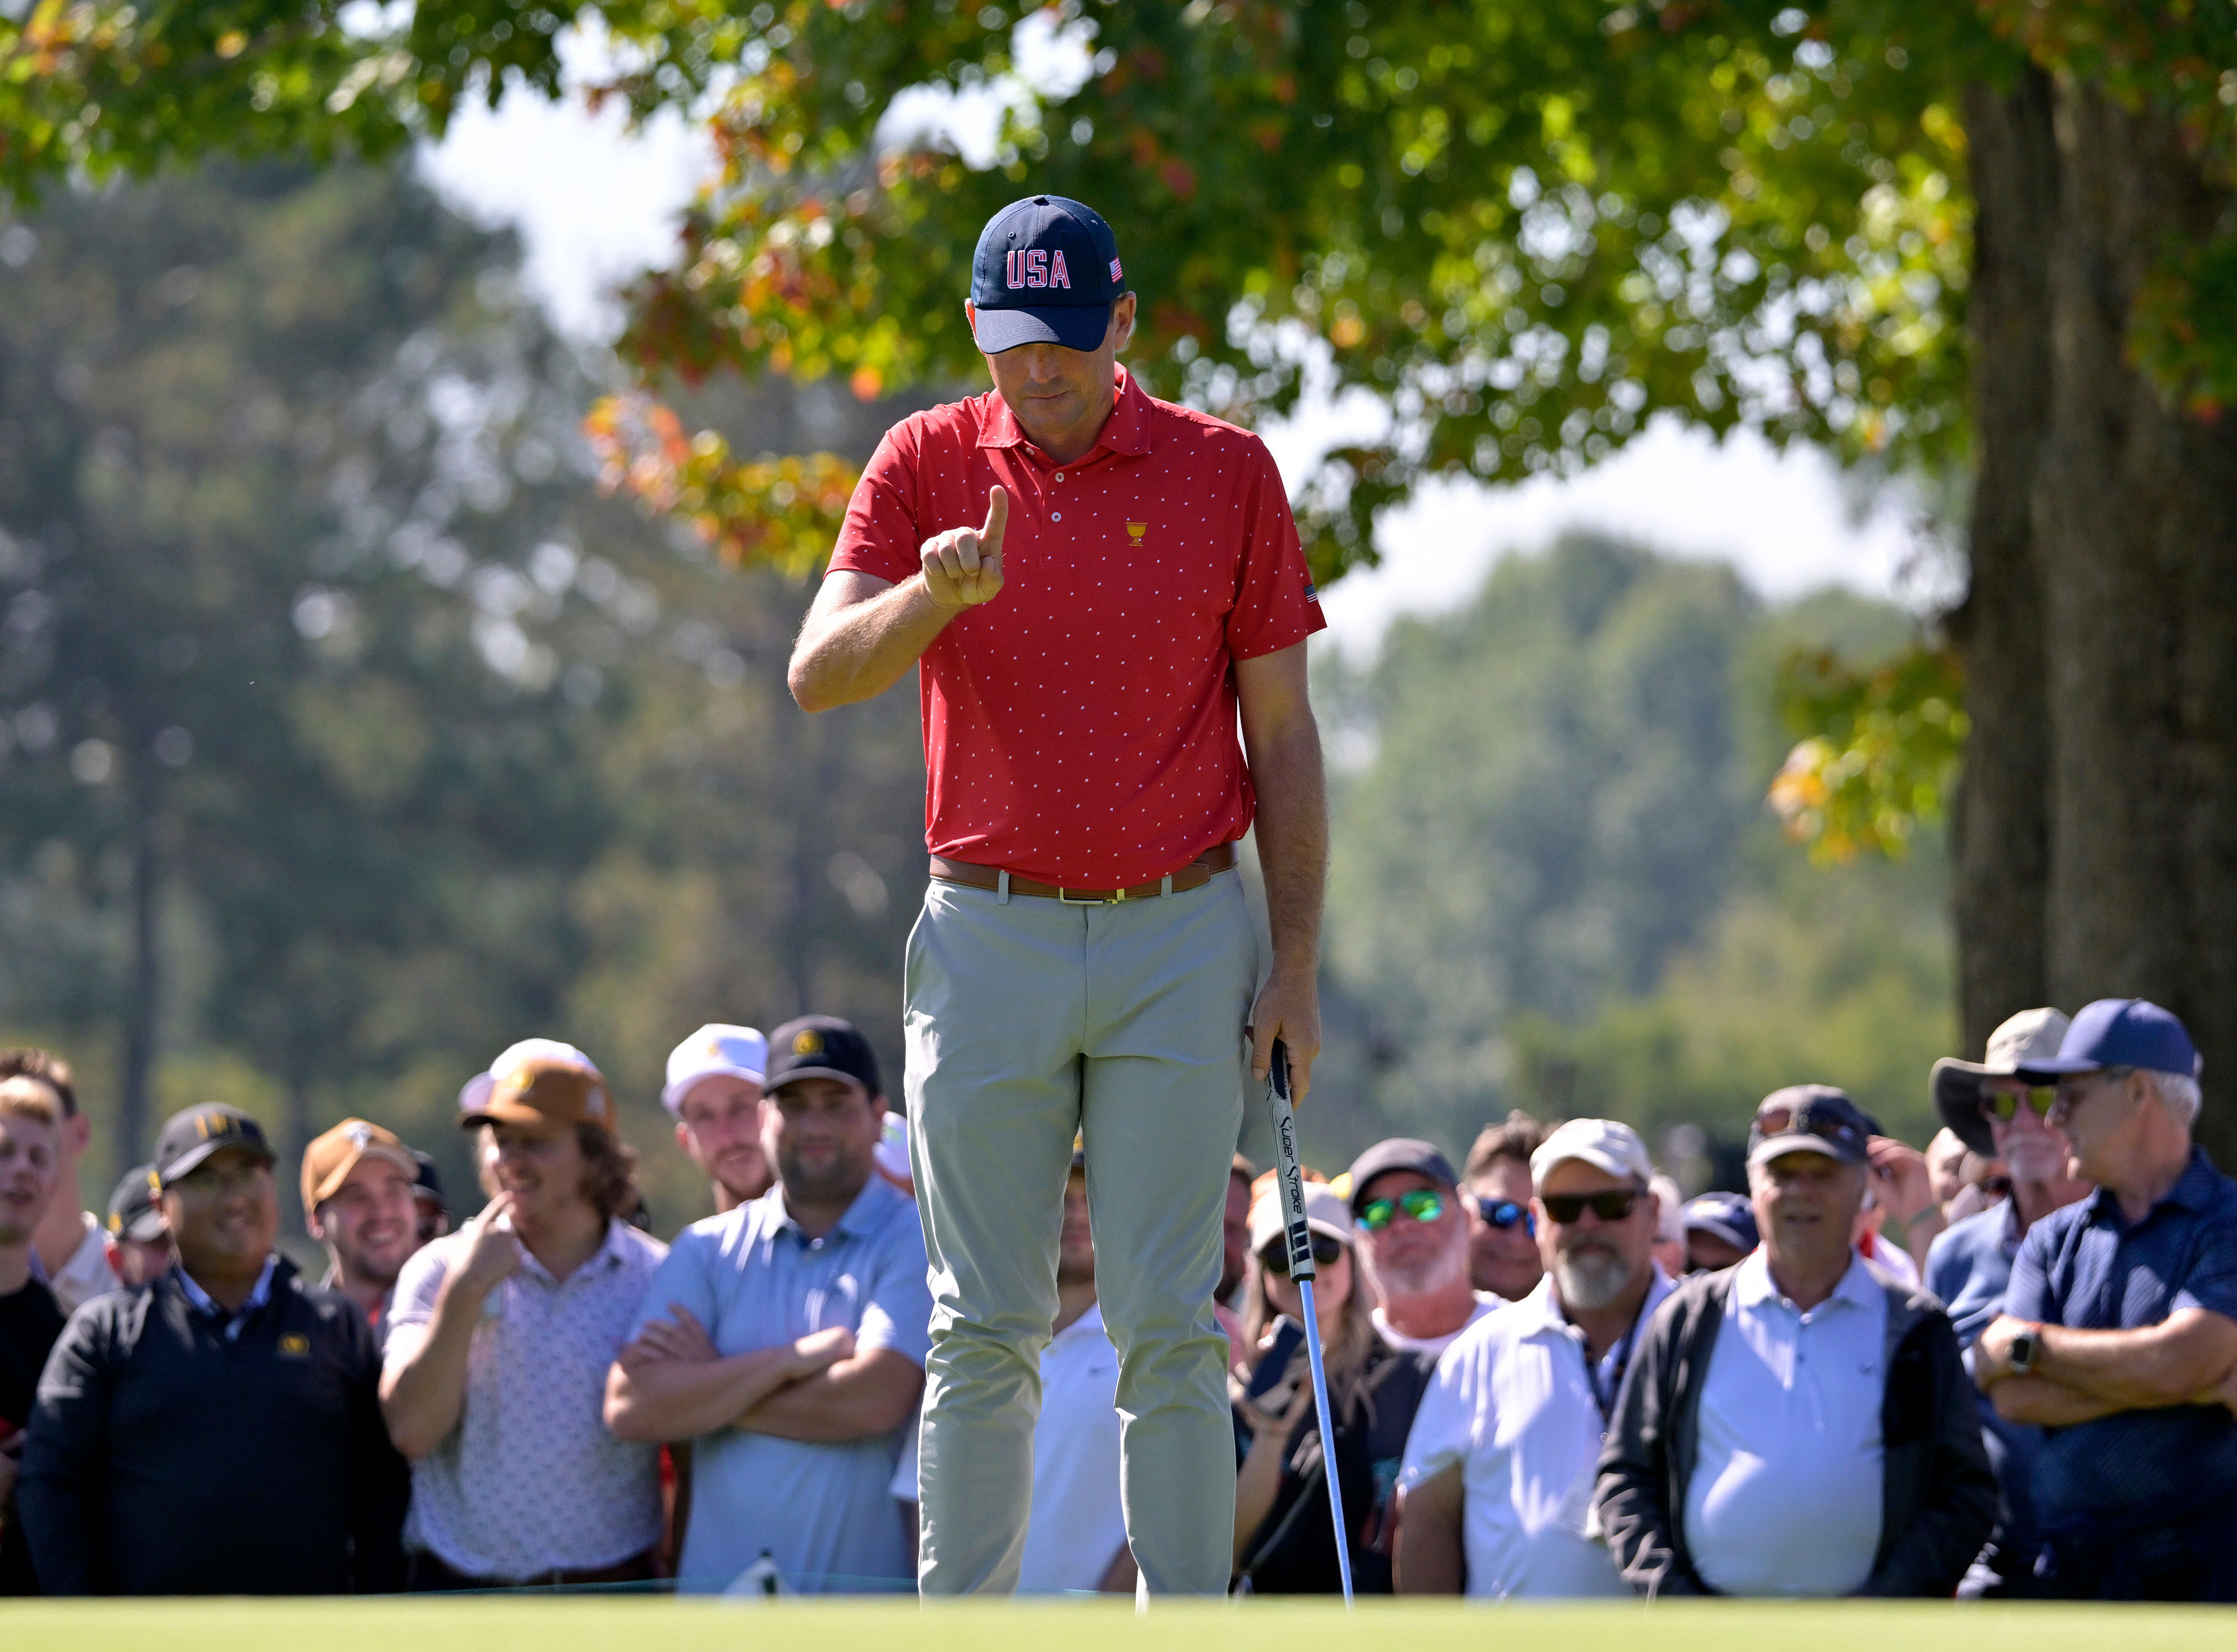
{"points": [[1081, 728]]}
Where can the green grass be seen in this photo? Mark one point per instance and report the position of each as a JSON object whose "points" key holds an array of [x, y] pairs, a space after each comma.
{"points": [[611, 1625]]}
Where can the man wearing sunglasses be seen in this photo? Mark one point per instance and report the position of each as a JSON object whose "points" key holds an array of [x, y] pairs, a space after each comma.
{"points": [[1414, 1243], [1495, 1189], [1798, 1424], [2119, 1333], [1998, 1114], [1497, 1486]]}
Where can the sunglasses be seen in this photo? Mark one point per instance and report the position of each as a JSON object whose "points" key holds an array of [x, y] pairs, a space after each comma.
{"points": [[1503, 1214], [2004, 1106], [1564, 1208], [1275, 1259], [1423, 1204]]}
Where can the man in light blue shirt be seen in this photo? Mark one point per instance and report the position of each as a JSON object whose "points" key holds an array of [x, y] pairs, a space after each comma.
{"points": [[1797, 1423], [786, 1340]]}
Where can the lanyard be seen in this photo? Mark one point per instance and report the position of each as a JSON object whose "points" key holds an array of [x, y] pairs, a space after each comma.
{"points": [[1622, 1360]]}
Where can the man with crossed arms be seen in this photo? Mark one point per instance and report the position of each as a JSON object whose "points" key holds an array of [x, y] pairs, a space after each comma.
{"points": [[1085, 961]]}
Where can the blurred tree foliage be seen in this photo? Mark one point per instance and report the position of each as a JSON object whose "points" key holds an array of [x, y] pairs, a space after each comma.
{"points": [[347, 735], [1556, 885]]}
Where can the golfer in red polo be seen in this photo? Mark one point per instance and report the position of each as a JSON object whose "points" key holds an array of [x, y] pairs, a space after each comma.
{"points": [[1095, 584]]}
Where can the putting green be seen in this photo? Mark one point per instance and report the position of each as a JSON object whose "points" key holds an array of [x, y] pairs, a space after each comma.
{"points": [[607, 1624]]}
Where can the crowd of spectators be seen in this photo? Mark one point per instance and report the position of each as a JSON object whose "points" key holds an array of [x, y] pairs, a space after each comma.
{"points": [[2005, 1366]]}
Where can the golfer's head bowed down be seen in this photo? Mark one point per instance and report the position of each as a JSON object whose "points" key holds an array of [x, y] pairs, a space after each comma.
{"points": [[1098, 588]]}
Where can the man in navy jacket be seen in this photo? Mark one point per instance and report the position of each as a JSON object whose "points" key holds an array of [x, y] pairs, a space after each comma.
{"points": [[218, 1432]]}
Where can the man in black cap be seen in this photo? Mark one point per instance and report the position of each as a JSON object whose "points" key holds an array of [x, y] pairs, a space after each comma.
{"points": [[219, 1433], [139, 1246], [1797, 1423], [427, 1198], [785, 1339], [1405, 1201], [1096, 589]]}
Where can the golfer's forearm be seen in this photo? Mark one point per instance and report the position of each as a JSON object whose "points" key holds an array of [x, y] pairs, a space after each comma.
{"points": [[872, 1394], [1293, 840], [859, 651], [681, 1399]]}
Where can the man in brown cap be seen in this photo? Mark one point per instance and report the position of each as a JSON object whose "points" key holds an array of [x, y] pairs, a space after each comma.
{"points": [[501, 1337], [358, 1202]]}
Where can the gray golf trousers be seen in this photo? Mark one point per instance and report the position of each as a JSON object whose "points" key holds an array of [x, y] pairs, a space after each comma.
{"points": [[1027, 1020]]}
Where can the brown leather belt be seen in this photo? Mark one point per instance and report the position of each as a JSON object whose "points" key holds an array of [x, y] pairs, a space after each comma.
{"points": [[1195, 875]]}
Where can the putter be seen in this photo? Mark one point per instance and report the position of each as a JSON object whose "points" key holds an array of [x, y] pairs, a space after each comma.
{"points": [[1292, 1178]]}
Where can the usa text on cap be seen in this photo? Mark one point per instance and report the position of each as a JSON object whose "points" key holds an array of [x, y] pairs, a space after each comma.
{"points": [[1046, 271]]}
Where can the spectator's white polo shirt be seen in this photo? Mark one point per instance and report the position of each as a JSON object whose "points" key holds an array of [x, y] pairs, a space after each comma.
{"points": [[529, 1481], [1511, 1403], [1077, 1524], [1786, 1489]]}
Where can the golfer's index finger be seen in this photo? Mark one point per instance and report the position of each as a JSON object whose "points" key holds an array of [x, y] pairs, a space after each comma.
{"points": [[998, 517]]}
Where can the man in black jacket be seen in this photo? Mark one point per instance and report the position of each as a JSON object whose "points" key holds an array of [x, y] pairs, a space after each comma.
{"points": [[219, 1432], [1797, 1423]]}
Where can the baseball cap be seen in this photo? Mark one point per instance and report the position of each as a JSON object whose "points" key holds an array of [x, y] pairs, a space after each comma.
{"points": [[1046, 271], [1601, 1142], [821, 1047], [736, 1052], [429, 1183], [552, 1085], [1325, 1212], [133, 1213], [329, 1159], [191, 1137], [1808, 1118], [1399, 1153], [1727, 1215], [2032, 1034], [2119, 1032], [476, 1090]]}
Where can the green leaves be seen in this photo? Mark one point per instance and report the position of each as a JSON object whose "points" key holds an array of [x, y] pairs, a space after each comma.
{"points": [[1878, 752]]}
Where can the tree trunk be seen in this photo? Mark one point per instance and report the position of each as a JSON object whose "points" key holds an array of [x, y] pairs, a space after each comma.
{"points": [[2136, 528], [2002, 818], [134, 1138]]}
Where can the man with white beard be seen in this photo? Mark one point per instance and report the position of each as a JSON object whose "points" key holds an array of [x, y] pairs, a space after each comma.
{"points": [[1414, 1244], [1496, 1490], [2000, 1115]]}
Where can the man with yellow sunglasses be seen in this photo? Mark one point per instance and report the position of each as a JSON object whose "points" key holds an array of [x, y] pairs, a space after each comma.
{"points": [[2001, 1116]]}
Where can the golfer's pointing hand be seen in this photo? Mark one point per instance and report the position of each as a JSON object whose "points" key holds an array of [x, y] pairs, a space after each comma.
{"points": [[963, 567]]}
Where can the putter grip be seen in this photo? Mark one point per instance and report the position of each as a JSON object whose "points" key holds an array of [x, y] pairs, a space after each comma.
{"points": [[1289, 1174]]}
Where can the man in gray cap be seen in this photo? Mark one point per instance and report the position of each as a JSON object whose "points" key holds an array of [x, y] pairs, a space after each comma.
{"points": [[1797, 1423], [1998, 1114], [1405, 1201]]}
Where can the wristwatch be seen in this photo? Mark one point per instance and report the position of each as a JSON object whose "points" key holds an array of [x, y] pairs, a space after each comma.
{"points": [[2025, 1347]]}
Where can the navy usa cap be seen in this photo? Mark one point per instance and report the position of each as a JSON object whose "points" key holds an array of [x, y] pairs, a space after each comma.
{"points": [[1046, 271], [2119, 1032]]}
